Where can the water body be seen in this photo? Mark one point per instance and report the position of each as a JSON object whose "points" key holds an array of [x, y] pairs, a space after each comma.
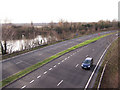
{"points": [[18, 45]]}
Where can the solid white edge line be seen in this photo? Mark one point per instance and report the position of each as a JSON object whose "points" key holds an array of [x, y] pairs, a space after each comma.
{"points": [[23, 86], [86, 86], [101, 76], [59, 82], [103, 71]]}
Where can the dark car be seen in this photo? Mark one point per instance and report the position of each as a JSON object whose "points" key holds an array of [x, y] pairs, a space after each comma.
{"points": [[87, 63]]}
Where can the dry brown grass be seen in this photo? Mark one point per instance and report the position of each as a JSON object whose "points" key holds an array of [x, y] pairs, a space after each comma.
{"points": [[110, 78]]}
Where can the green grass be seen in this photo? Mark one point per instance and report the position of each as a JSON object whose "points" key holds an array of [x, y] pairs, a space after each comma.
{"points": [[39, 64], [25, 51], [35, 48]]}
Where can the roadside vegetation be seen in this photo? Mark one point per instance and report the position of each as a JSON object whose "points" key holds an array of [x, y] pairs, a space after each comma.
{"points": [[6, 56], [39, 64], [60, 31], [110, 78], [25, 51]]}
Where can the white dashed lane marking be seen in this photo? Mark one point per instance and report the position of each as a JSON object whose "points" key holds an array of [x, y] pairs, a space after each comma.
{"points": [[62, 60], [77, 65], [69, 57], [19, 62], [39, 76], [73, 53], [65, 58], [45, 72], [50, 69], [59, 82], [23, 86], [32, 81], [55, 66]]}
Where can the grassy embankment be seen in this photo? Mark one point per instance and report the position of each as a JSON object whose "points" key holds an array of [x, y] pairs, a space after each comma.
{"points": [[110, 77], [39, 64]]}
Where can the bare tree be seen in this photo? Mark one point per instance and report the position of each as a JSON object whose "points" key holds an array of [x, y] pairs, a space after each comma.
{"points": [[1, 46], [6, 32]]}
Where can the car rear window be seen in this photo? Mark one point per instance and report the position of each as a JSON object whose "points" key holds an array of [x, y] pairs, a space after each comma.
{"points": [[87, 61]]}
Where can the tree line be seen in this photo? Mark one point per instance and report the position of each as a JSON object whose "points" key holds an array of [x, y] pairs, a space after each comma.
{"points": [[57, 31]]}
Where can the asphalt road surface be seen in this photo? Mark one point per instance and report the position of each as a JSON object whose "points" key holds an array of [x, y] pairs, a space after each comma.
{"points": [[18, 63], [65, 71]]}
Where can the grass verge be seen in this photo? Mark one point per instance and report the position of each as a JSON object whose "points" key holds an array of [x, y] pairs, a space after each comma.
{"points": [[35, 48], [25, 51], [110, 77], [39, 64]]}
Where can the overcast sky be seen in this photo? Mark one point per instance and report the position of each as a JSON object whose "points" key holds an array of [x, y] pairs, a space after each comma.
{"points": [[25, 11]]}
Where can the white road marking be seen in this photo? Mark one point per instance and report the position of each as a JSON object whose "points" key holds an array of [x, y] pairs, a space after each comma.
{"points": [[45, 72], [32, 81], [55, 66], [39, 76], [50, 69], [23, 86], [65, 58], [58, 63], [86, 55], [77, 65], [70, 55], [59, 82], [86, 86], [101, 76], [62, 60], [19, 62]]}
